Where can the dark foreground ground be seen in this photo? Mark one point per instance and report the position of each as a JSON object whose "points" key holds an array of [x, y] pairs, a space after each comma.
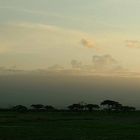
{"points": [[69, 126]]}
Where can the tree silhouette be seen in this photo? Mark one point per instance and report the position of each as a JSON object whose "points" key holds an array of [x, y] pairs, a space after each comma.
{"points": [[71, 107], [128, 108], [49, 108], [110, 104], [20, 108], [117, 106], [92, 107], [76, 107], [37, 106]]}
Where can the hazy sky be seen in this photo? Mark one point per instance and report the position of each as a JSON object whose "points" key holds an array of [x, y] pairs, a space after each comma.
{"points": [[41, 33], [98, 35], [62, 91]]}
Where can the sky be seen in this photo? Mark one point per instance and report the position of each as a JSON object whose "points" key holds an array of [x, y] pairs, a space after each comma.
{"points": [[61, 91], [60, 52], [40, 34]]}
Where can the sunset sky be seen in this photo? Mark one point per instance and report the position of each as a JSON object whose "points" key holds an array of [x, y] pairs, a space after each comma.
{"points": [[68, 51], [42, 33]]}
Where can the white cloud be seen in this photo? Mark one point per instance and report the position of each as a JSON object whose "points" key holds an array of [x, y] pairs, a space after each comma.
{"points": [[88, 43], [100, 63], [132, 43], [106, 63]]}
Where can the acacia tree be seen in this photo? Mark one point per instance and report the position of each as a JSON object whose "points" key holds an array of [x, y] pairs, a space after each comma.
{"points": [[76, 107], [92, 107], [37, 106], [128, 108], [20, 108], [49, 108], [117, 107], [110, 104]]}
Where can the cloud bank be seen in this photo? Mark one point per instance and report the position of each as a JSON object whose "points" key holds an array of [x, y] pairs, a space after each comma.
{"points": [[132, 44], [99, 63], [106, 63]]}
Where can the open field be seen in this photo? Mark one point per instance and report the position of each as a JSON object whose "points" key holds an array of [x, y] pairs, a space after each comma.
{"points": [[70, 126]]}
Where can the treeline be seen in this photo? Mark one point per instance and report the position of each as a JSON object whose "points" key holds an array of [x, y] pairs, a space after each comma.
{"points": [[106, 105]]}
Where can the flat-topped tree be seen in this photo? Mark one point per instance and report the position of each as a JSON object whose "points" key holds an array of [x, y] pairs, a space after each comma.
{"points": [[49, 108], [20, 108], [37, 106], [110, 104], [76, 107], [92, 107], [128, 108]]}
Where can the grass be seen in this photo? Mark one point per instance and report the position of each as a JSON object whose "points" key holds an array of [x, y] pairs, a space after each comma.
{"points": [[69, 126]]}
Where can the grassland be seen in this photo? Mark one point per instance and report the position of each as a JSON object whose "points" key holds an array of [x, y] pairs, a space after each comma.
{"points": [[70, 126]]}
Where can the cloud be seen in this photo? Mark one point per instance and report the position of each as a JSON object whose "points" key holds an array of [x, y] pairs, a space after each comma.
{"points": [[35, 37], [76, 64], [105, 63], [36, 26], [100, 63], [56, 67], [88, 43], [38, 42], [132, 43]]}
